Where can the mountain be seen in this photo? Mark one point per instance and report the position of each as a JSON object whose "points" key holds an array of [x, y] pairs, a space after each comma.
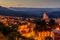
{"points": [[35, 9], [9, 12], [5, 11], [55, 14], [29, 12]]}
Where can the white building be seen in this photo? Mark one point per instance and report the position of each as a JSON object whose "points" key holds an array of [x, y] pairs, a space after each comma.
{"points": [[45, 17]]}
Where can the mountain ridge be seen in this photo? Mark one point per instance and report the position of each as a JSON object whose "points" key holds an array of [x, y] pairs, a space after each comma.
{"points": [[30, 12]]}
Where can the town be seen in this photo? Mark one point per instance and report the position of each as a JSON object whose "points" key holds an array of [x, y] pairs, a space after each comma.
{"points": [[20, 28]]}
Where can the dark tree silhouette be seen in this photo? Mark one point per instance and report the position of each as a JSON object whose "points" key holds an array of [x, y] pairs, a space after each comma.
{"points": [[52, 23], [48, 38], [40, 25]]}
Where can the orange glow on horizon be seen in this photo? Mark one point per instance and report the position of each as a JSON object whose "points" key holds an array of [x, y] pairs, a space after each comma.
{"points": [[6, 5]]}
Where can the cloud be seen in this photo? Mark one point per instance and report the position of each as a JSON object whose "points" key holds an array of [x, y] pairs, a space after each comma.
{"points": [[30, 3]]}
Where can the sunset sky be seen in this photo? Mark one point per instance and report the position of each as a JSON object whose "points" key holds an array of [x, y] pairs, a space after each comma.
{"points": [[31, 3]]}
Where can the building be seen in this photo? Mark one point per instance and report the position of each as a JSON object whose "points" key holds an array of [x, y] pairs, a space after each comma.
{"points": [[45, 17], [56, 33]]}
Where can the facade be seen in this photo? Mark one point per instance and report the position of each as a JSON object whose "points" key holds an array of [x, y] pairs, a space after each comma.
{"points": [[45, 35], [57, 33], [56, 36]]}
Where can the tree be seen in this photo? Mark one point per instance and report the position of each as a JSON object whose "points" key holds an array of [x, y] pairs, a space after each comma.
{"points": [[1, 24], [48, 38], [40, 25], [4, 29], [13, 34], [52, 23]]}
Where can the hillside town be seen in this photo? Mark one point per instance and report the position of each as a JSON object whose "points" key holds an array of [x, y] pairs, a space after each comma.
{"points": [[20, 28]]}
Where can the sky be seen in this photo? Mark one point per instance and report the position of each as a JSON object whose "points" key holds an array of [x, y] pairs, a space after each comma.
{"points": [[31, 3]]}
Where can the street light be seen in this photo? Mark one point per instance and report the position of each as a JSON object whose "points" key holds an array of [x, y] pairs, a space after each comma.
{"points": [[57, 28]]}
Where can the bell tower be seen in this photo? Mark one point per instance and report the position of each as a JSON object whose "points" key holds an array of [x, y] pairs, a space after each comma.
{"points": [[45, 17]]}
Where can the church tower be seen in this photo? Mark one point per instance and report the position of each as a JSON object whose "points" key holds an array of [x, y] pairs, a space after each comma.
{"points": [[45, 17]]}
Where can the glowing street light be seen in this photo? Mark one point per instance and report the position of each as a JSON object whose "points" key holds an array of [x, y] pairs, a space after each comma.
{"points": [[57, 28]]}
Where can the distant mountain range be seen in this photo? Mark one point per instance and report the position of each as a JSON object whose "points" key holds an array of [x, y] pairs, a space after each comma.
{"points": [[29, 12]]}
